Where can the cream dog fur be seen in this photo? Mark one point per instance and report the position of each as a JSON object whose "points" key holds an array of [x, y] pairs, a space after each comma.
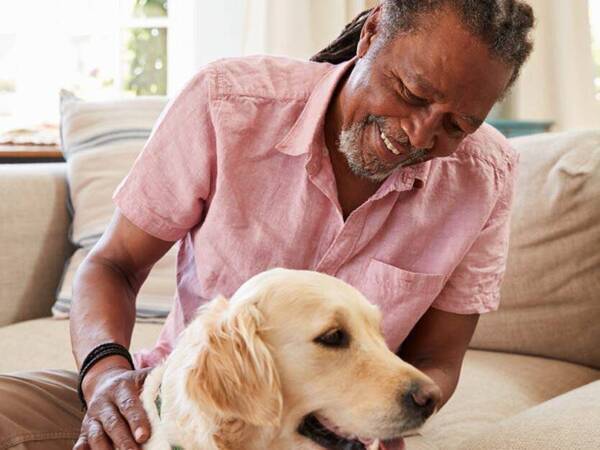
{"points": [[294, 360]]}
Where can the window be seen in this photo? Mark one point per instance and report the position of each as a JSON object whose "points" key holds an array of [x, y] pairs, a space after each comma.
{"points": [[144, 34], [95, 48], [595, 22]]}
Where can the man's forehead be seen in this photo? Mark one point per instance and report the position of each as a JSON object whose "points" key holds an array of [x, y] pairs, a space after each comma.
{"points": [[424, 84]]}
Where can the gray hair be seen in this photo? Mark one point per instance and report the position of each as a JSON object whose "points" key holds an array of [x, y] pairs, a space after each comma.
{"points": [[503, 25]]}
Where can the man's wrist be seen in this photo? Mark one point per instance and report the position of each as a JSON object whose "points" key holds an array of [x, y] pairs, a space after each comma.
{"points": [[103, 367]]}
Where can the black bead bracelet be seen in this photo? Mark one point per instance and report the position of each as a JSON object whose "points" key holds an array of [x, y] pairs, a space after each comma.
{"points": [[100, 352]]}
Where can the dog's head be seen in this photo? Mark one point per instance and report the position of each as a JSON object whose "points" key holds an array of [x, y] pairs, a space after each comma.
{"points": [[304, 351]]}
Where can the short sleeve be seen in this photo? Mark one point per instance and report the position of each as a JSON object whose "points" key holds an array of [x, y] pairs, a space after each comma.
{"points": [[474, 286], [165, 191]]}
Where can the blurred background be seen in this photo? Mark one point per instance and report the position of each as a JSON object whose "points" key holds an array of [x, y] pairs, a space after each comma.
{"points": [[119, 48]]}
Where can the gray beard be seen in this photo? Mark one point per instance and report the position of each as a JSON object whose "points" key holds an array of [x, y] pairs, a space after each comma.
{"points": [[371, 168]]}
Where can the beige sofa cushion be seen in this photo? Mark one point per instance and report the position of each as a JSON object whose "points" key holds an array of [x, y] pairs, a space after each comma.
{"points": [[495, 386], [33, 238], [569, 421], [44, 344], [100, 141], [551, 293]]}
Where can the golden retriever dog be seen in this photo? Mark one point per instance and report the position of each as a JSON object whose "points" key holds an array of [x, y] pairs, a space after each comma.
{"points": [[295, 360]]}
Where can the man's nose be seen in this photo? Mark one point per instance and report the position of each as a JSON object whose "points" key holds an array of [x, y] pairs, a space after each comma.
{"points": [[422, 128], [422, 399]]}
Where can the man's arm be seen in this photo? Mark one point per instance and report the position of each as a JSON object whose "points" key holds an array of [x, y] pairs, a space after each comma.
{"points": [[103, 310], [107, 283], [437, 345]]}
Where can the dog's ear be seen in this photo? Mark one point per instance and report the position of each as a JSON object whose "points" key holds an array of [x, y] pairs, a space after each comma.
{"points": [[235, 374]]}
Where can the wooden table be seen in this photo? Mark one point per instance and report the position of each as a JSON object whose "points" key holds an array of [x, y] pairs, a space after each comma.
{"points": [[11, 154]]}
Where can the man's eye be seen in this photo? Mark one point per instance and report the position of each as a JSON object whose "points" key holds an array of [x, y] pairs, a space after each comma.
{"points": [[410, 97], [334, 338], [455, 126], [455, 129]]}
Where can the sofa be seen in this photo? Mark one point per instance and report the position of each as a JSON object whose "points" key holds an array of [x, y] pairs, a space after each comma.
{"points": [[531, 377]]}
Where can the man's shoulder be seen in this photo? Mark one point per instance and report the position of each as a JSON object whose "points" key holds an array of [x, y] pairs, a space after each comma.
{"points": [[268, 77], [488, 146]]}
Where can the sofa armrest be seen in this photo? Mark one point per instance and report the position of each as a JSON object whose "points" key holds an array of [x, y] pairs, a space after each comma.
{"points": [[34, 227]]}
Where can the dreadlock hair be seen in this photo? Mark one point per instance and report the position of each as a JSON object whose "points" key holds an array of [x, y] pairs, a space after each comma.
{"points": [[503, 25]]}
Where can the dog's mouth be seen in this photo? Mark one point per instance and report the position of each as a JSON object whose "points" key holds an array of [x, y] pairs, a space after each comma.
{"points": [[328, 435]]}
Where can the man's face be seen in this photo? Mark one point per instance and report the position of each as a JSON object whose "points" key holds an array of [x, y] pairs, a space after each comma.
{"points": [[417, 96]]}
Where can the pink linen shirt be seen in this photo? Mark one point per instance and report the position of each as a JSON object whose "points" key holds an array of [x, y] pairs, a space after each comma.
{"points": [[237, 170]]}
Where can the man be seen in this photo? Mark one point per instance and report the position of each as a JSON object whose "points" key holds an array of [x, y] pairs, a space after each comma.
{"points": [[376, 170]]}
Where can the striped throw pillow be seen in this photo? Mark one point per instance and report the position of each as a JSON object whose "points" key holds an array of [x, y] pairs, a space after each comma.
{"points": [[100, 141]]}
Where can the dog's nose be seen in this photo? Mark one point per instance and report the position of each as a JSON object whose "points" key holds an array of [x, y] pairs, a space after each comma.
{"points": [[423, 398]]}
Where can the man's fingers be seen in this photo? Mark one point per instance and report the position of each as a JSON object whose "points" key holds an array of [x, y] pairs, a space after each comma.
{"points": [[82, 443], [96, 438], [116, 428], [132, 409], [140, 376]]}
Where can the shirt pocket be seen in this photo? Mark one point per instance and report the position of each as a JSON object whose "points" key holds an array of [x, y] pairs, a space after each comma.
{"points": [[403, 297], [385, 277]]}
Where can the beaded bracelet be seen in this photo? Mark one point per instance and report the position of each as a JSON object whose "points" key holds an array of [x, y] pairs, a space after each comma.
{"points": [[98, 353]]}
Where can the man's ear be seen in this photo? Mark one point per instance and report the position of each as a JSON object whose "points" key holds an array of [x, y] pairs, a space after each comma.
{"points": [[235, 374], [368, 32]]}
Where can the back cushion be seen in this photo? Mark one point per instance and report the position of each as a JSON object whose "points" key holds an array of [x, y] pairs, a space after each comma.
{"points": [[100, 141], [551, 292]]}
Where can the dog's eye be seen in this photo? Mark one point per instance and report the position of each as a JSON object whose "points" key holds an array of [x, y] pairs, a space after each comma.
{"points": [[334, 338]]}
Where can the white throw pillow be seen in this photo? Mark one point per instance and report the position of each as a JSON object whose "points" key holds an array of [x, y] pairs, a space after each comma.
{"points": [[100, 141]]}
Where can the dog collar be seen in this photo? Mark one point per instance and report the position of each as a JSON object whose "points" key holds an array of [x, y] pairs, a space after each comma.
{"points": [[158, 403]]}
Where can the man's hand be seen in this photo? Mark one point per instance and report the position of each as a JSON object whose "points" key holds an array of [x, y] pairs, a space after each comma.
{"points": [[115, 417], [437, 346]]}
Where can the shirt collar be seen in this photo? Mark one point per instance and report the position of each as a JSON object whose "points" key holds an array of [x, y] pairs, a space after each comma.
{"points": [[410, 177], [307, 129], [311, 121]]}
